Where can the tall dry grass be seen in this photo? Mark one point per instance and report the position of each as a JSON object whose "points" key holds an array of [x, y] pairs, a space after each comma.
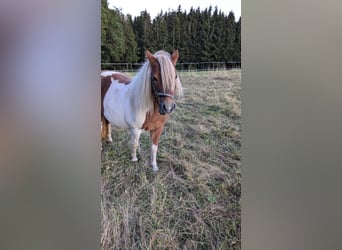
{"points": [[193, 202]]}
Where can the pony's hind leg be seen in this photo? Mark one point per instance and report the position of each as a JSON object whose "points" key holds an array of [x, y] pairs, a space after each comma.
{"points": [[135, 136], [109, 133], [101, 134], [104, 131]]}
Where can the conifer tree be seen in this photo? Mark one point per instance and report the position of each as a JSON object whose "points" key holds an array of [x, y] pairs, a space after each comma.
{"points": [[207, 35], [237, 42], [112, 37], [230, 37], [142, 29], [159, 39], [130, 54]]}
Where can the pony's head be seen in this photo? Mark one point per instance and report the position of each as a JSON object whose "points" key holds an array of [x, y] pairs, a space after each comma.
{"points": [[165, 83]]}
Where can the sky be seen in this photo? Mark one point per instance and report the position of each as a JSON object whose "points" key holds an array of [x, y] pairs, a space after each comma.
{"points": [[134, 7]]}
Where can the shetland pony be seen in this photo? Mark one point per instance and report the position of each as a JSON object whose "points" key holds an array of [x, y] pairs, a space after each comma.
{"points": [[141, 103]]}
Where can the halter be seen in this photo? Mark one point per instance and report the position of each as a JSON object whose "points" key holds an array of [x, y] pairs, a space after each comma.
{"points": [[159, 94]]}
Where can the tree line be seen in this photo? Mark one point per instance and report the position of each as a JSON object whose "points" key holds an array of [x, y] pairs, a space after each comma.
{"points": [[200, 35]]}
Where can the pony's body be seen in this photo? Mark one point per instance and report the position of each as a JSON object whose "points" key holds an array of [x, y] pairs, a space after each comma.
{"points": [[142, 103], [120, 110]]}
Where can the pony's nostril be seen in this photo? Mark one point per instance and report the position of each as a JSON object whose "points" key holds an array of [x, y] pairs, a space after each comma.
{"points": [[164, 107]]}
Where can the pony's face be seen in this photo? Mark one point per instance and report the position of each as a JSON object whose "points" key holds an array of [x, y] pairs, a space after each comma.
{"points": [[164, 81], [165, 98]]}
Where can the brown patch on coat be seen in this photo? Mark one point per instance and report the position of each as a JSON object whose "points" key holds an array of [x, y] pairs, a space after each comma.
{"points": [[105, 84], [122, 78], [155, 124], [155, 120]]}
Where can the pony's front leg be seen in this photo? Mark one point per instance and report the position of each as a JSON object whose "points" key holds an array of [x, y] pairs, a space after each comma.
{"points": [[155, 135], [135, 135]]}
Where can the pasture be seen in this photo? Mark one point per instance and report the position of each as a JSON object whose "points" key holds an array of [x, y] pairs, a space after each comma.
{"points": [[193, 201]]}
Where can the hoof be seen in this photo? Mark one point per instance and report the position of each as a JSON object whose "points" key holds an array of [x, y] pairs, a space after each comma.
{"points": [[110, 140], [155, 168], [134, 159]]}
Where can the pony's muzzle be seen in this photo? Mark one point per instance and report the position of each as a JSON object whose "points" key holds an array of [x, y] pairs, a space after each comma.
{"points": [[166, 107]]}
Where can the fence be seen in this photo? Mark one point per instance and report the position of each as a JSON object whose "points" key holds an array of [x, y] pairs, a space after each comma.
{"points": [[198, 66]]}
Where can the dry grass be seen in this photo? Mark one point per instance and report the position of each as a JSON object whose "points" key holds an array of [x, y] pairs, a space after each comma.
{"points": [[193, 202]]}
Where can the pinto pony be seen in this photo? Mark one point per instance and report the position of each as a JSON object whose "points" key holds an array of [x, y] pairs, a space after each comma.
{"points": [[141, 103]]}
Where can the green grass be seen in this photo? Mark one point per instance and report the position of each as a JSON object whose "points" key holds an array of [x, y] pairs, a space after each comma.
{"points": [[193, 202]]}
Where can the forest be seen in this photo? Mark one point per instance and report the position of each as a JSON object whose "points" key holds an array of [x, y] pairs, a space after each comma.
{"points": [[200, 35]]}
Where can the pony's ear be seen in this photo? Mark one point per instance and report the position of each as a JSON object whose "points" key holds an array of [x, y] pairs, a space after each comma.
{"points": [[150, 57], [174, 57]]}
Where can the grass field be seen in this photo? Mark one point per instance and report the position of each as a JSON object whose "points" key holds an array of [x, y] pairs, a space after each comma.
{"points": [[193, 202]]}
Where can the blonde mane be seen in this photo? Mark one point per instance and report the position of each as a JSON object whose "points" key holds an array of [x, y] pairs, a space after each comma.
{"points": [[168, 73], [140, 87]]}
